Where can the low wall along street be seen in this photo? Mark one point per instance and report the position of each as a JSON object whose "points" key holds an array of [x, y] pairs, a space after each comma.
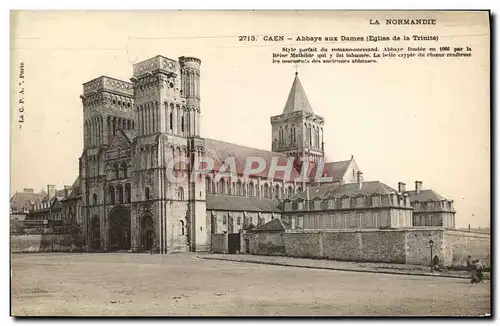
{"points": [[404, 246], [45, 243]]}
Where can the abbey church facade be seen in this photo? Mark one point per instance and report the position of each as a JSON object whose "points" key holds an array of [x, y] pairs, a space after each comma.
{"points": [[132, 130]]}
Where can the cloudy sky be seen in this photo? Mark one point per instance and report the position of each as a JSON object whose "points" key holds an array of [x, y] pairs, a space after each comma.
{"points": [[403, 120]]}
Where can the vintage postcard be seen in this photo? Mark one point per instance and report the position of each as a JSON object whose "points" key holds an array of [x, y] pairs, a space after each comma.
{"points": [[250, 163]]}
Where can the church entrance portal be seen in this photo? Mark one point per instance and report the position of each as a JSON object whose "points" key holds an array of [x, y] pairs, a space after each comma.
{"points": [[119, 229], [147, 233], [95, 234]]}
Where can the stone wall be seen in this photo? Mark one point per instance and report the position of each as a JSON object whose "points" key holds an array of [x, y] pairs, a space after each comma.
{"points": [[418, 249], [45, 243], [459, 245], [267, 243], [410, 246], [220, 243], [303, 244]]}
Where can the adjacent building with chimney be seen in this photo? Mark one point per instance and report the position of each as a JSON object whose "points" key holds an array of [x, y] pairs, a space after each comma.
{"points": [[430, 208], [360, 205], [22, 201]]}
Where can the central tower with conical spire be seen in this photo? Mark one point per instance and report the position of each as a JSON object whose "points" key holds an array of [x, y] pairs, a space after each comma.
{"points": [[298, 131]]}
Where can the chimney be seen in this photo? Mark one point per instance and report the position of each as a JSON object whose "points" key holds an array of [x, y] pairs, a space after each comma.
{"points": [[401, 187], [360, 179], [28, 190], [418, 186], [51, 191]]}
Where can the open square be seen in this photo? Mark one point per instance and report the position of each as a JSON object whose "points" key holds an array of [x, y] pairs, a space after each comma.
{"points": [[124, 284]]}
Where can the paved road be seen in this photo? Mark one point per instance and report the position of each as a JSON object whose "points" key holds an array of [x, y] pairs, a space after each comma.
{"points": [[181, 284]]}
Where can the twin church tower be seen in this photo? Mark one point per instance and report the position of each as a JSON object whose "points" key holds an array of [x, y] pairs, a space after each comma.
{"points": [[132, 130]]}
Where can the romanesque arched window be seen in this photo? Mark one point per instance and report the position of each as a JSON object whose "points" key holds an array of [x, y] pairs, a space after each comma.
{"points": [[124, 168], [119, 190], [238, 188], [184, 159], [221, 188], [208, 185], [309, 132], [127, 193], [277, 192], [111, 194], [180, 193]]}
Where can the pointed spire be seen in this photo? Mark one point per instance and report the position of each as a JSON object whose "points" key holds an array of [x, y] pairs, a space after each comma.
{"points": [[297, 99]]}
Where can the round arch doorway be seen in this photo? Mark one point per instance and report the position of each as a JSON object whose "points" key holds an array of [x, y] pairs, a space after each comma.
{"points": [[147, 233], [119, 229], [95, 233]]}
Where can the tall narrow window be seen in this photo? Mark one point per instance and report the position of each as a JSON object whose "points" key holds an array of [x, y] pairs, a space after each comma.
{"points": [[170, 119], [94, 197], [111, 194], [182, 124], [180, 193], [127, 193], [208, 185], [119, 189], [117, 171], [146, 192], [182, 227], [124, 168]]}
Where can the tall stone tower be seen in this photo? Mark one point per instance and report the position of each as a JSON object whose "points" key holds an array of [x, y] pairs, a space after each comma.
{"points": [[298, 131], [107, 106], [167, 102], [197, 215]]}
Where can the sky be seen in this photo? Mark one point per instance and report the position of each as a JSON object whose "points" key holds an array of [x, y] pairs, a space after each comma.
{"points": [[403, 120]]}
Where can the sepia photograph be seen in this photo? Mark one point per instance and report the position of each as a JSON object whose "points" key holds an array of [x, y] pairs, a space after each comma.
{"points": [[250, 163]]}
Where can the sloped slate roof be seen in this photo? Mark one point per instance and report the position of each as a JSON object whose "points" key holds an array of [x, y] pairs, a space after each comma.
{"points": [[329, 190], [220, 151], [335, 170], [276, 224], [238, 203], [22, 200], [297, 99], [424, 195]]}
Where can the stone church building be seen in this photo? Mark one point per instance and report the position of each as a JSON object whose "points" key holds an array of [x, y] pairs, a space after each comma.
{"points": [[132, 130]]}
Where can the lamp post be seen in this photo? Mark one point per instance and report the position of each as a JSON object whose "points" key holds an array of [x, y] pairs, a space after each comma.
{"points": [[431, 244]]}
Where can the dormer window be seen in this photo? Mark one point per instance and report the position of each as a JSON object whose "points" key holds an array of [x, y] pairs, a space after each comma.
{"points": [[345, 202]]}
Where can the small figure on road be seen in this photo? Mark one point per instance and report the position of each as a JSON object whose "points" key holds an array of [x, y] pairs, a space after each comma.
{"points": [[470, 264], [435, 263], [477, 272]]}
